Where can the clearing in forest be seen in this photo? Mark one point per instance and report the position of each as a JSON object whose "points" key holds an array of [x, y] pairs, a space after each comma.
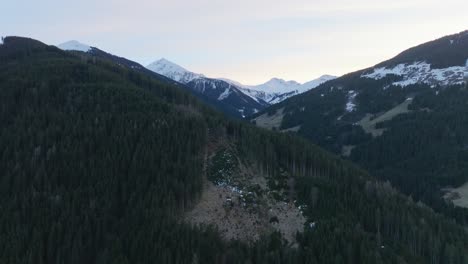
{"points": [[369, 122]]}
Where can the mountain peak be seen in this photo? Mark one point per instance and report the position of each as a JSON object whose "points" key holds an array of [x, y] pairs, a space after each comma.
{"points": [[74, 45], [326, 76], [314, 83], [164, 60], [278, 85], [173, 71], [165, 63]]}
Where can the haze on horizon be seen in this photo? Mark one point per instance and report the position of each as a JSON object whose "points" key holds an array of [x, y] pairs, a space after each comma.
{"points": [[247, 41]]}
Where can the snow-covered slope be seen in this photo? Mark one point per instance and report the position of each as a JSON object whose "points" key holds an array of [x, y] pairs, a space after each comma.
{"points": [[421, 72], [74, 45], [223, 94], [277, 90], [315, 83], [271, 92], [173, 71], [277, 85]]}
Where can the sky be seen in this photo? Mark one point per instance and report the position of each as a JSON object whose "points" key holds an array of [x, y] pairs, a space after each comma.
{"points": [[249, 41]]}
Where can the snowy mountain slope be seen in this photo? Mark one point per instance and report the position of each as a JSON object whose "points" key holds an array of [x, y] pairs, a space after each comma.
{"points": [[277, 90], [315, 83], [262, 95], [271, 92], [219, 94], [441, 62], [277, 85], [340, 104], [421, 72], [74, 45], [224, 95], [173, 71]]}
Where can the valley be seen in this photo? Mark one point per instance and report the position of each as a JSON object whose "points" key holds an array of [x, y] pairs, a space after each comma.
{"points": [[107, 161]]}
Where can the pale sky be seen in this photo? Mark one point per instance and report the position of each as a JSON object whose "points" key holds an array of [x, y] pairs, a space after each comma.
{"points": [[249, 41]]}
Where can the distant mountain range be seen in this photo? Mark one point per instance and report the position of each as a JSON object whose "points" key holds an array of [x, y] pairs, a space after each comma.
{"points": [[271, 92], [75, 46], [231, 97]]}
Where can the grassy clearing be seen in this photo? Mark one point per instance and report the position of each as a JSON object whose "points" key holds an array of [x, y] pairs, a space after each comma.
{"points": [[369, 122], [270, 121]]}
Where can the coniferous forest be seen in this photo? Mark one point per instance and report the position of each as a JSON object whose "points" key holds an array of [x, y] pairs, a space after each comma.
{"points": [[99, 163], [421, 141]]}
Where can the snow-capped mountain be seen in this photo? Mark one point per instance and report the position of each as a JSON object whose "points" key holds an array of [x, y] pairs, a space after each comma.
{"points": [[173, 71], [271, 92], [277, 90], [218, 93], [227, 95], [74, 45], [224, 95], [277, 85]]}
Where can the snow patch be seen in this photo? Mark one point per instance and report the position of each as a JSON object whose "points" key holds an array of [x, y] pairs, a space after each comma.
{"points": [[350, 105], [274, 91], [312, 225], [255, 95], [225, 94], [421, 72], [74, 45], [241, 111]]}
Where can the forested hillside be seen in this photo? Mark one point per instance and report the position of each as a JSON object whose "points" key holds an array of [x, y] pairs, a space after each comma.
{"points": [[404, 120], [100, 163]]}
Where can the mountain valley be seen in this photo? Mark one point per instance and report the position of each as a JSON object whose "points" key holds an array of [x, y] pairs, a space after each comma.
{"points": [[107, 163]]}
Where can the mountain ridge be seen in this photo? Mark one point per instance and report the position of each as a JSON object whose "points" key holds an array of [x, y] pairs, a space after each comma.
{"points": [[231, 97], [272, 91]]}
